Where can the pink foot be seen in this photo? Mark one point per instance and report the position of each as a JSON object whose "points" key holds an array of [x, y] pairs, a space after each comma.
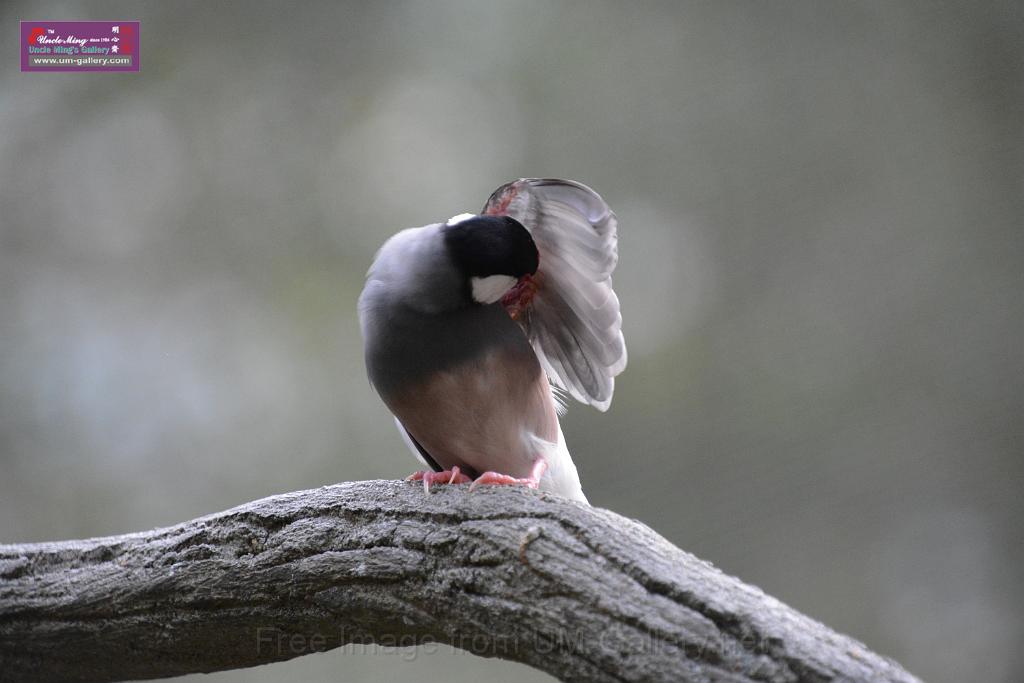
{"points": [[452, 476], [499, 479]]}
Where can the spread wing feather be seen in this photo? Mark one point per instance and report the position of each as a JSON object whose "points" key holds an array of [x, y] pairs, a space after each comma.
{"points": [[573, 319]]}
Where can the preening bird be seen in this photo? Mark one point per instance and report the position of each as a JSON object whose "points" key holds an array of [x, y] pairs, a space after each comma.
{"points": [[475, 327]]}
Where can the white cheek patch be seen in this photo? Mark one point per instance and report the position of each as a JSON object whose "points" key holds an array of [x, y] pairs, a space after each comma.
{"points": [[487, 290], [455, 220]]}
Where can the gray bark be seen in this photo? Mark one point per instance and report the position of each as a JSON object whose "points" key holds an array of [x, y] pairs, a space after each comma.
{"points": [[579, 592]]}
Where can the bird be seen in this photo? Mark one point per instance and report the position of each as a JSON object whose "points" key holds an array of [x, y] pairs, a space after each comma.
{"points": [[476, 328]]}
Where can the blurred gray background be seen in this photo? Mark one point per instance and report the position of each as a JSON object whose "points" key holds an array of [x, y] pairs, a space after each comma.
{"points": [[821, 275]]}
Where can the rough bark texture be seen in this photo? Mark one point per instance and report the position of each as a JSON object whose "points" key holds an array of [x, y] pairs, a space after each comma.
{"points": [[579, 592]]}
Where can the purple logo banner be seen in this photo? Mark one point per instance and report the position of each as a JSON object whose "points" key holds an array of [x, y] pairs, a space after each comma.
{"points": [[79, 46]]}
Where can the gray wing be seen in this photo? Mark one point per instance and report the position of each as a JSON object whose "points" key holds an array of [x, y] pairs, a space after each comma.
{"points": [[573, 319], [415, 448]]}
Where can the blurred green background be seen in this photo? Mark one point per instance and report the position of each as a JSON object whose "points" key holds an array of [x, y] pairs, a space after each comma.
{"points": [[821, 275]]}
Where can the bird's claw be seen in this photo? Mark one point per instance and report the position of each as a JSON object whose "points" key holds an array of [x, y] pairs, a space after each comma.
{"points": [[452, 476], [499, 479]]}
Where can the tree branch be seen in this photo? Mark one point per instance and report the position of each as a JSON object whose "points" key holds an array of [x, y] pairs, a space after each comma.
{"points": [[578, 592]]}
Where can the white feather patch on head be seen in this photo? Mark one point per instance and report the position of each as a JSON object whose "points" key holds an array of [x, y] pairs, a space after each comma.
{"points": [[487, 290], [455, 220]]}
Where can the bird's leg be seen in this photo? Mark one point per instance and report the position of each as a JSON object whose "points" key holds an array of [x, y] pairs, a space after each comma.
{"points": [[452, 476], [532, 481]]}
